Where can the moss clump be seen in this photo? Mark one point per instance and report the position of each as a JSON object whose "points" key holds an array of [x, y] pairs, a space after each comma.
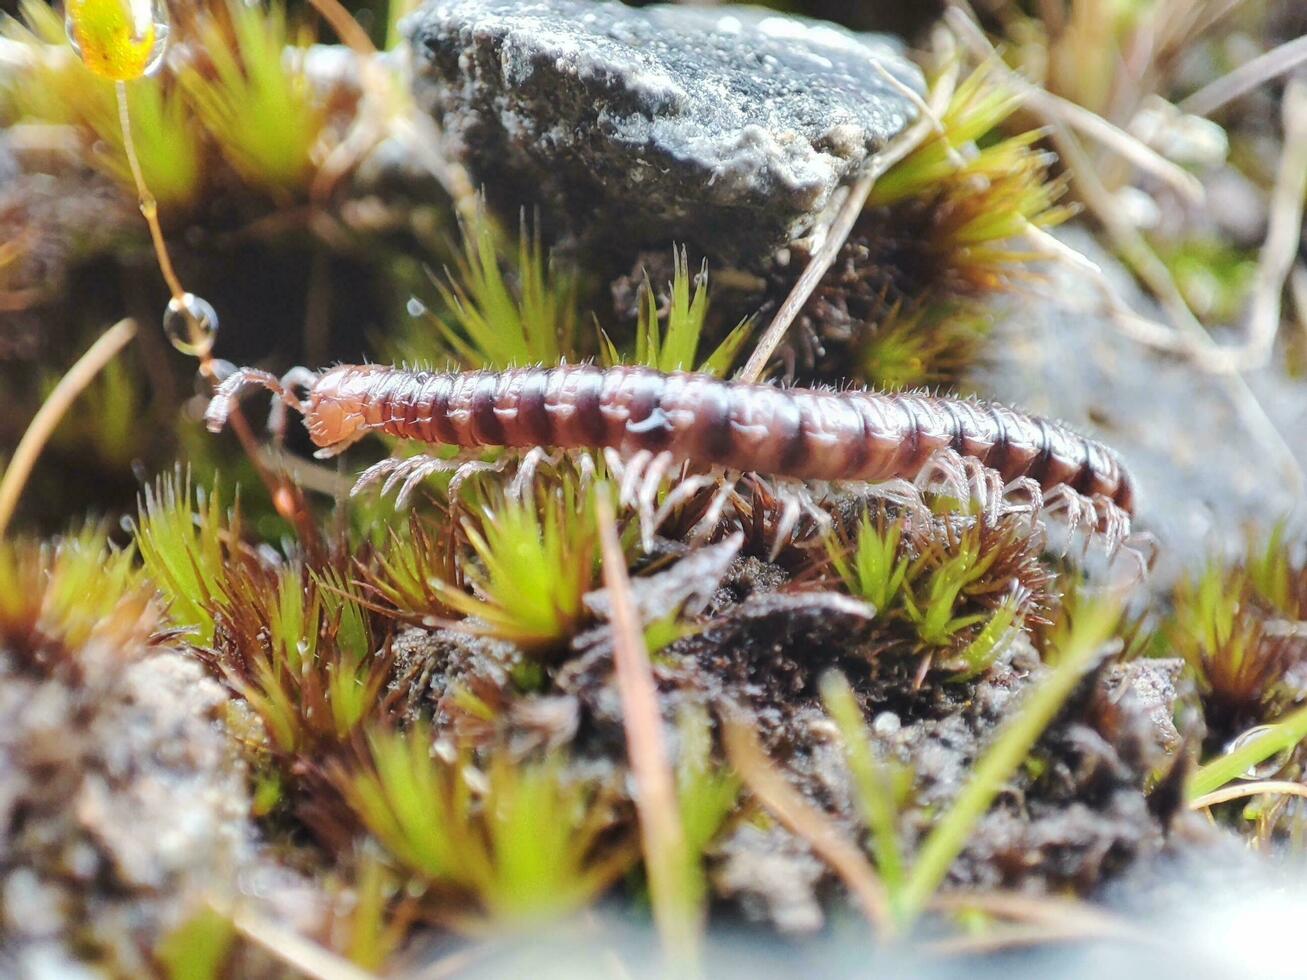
{"points": [[960, 586], [936, 237], [1234, 627]]}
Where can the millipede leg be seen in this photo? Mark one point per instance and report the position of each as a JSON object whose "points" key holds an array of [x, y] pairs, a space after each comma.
{"points": [[716, 507], [1072, 507], [646, 495], [905, 495], [235, 385], [681, 493], [1024, 486], [524, 478], [944, 468]]}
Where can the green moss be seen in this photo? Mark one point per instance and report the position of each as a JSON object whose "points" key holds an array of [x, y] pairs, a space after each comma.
{"points": [[534, 560], [58, 597], [706, 793], [932, 345], [180, 535], [519, 837], [299, 648], [495, 313], [258, 106], [1213, 276], [956, 589], [675, 345], [992, 193], [876, 781], [197, 949], [1227, 624]]}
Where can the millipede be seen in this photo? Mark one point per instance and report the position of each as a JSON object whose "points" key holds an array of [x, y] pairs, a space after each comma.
{"points": [[801, 433]]}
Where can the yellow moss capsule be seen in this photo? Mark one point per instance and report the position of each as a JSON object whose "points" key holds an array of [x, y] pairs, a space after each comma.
{"points": [[118, 39]]}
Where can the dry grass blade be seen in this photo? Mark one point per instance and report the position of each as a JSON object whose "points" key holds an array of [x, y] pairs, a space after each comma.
{"points": [[1055, 108], [345, 26], [1188, 335], [1034, 910], [784, 802], [1246, 77], [1298, 289], [1042, 919], [1283, 236], [286, 946], [1242, 792], [1018, 937], [52, 411], [661, 833]]}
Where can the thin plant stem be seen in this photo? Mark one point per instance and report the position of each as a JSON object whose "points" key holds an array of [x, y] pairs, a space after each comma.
{"points": [[52, 411], [1054, 107], [840, 228], [345, 26], [871, 777], [1246, 77], [303, 956], [1040, 918], [1277, 787], [1283, 237], [288, 501], [666, 854], [836, 235], [149, 206], [1298, 290]]}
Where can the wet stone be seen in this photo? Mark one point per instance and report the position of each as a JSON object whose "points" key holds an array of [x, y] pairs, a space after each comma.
{"points": [[728, 128]]}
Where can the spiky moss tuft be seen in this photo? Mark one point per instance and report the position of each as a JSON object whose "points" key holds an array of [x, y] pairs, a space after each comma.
{"points": [[1235, 629], [502, 307], [297, 644], [955, 590], [675, 345], [61, 597], [524, 839], [522, 575], [498, 308]]}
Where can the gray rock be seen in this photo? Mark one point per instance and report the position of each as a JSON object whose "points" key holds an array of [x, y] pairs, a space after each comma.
{"points": [[729, 128]]}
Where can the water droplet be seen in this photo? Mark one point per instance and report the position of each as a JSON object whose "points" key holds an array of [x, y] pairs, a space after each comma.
{"points": [[1268, 768], [191, 324], [118, 39], [886, 723], [415, 306]]}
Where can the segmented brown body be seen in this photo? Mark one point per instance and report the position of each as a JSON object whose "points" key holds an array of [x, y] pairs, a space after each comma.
{"points": [[809, 434]]}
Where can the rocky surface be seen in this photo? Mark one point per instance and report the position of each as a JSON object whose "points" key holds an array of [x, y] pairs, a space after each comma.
{"points": [[1073, 822], [729, 128], [122, 809]]}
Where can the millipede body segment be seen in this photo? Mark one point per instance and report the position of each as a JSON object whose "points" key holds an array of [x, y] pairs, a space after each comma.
{"points": [[804, 433]]}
